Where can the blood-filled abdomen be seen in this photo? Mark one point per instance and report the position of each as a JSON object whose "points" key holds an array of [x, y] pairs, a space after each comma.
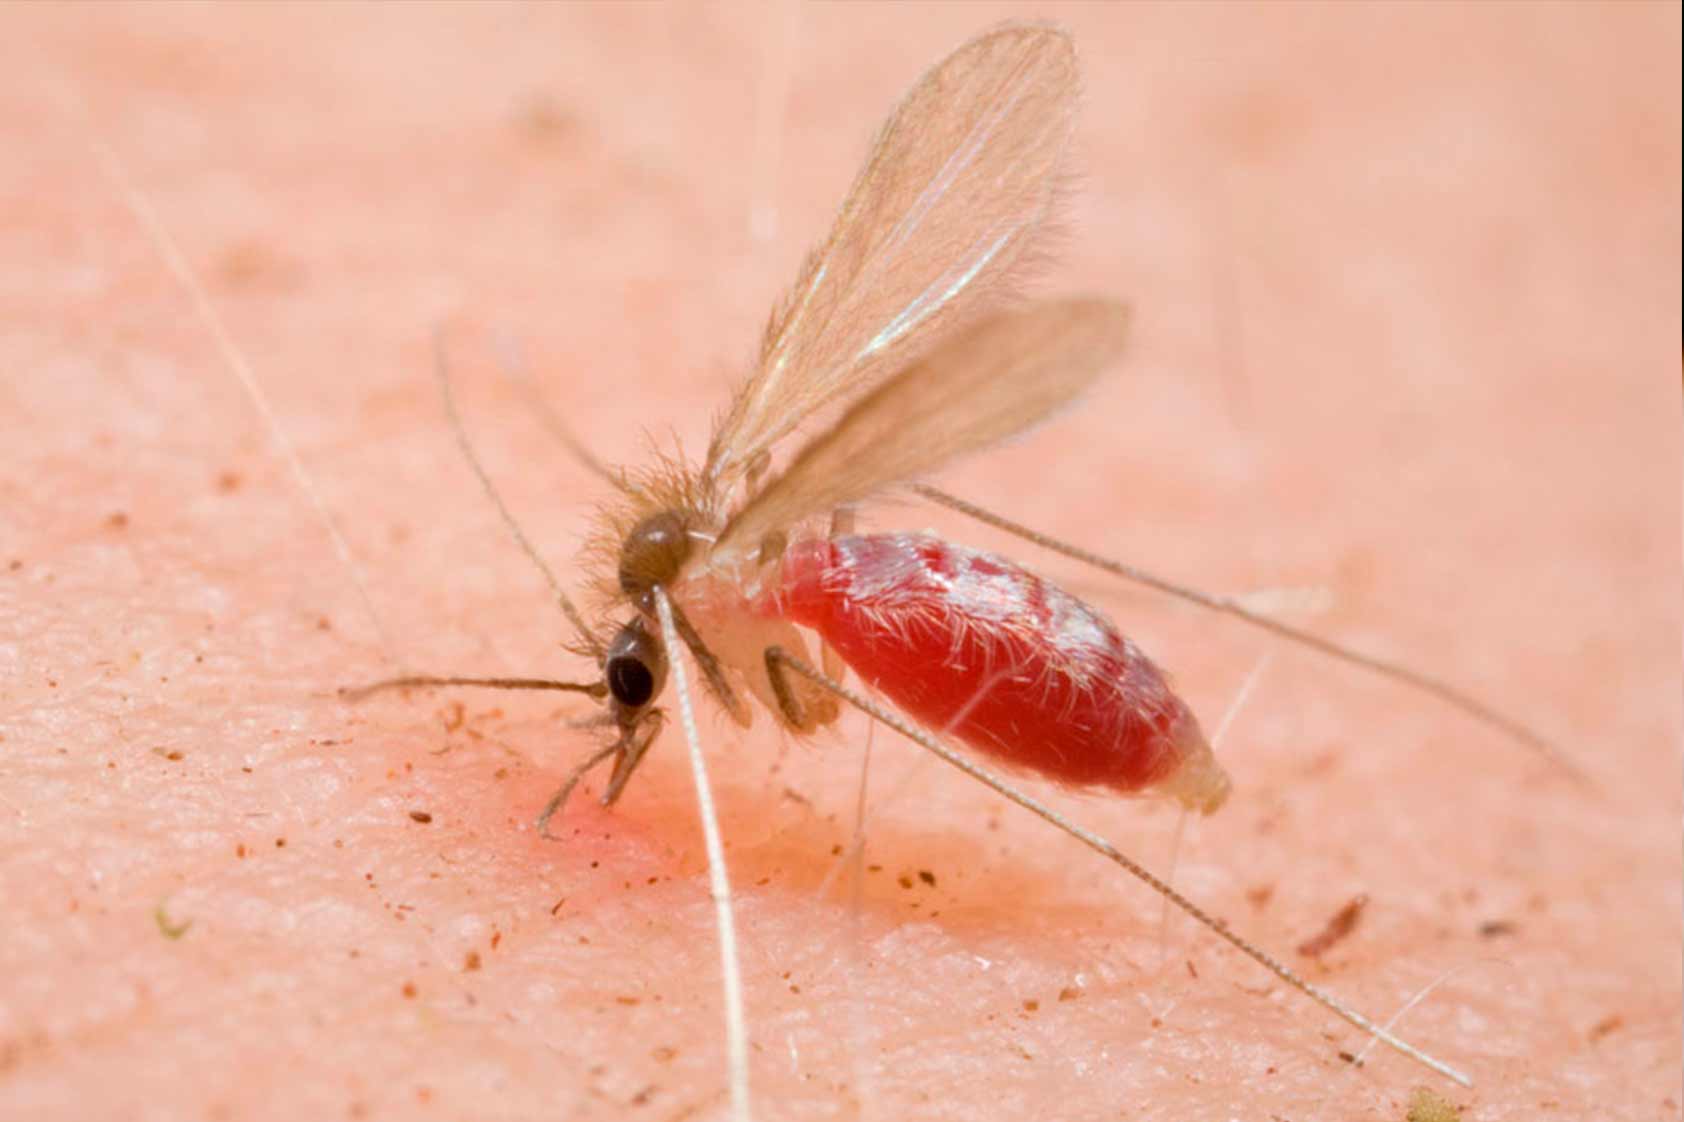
{"points": [[979, 650]]}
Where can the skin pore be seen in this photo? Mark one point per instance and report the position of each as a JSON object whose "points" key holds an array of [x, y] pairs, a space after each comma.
{"points": [[1406, 293]]}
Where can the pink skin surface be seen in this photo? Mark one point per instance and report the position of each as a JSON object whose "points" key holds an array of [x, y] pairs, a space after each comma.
{"points": [[1407, 286]]}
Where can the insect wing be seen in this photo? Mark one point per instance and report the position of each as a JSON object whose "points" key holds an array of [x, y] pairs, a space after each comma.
{"points": [[983, 385], [956, 186]]}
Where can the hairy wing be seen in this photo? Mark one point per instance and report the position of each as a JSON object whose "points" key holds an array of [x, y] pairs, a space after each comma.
{"points": [[957, 183], [999, 378]]}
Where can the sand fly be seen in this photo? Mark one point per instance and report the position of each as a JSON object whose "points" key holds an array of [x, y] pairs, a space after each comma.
{"points": [[904, 344]]}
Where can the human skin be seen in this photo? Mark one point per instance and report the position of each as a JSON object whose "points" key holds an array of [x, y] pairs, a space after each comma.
{"points": [[1407, 291]]}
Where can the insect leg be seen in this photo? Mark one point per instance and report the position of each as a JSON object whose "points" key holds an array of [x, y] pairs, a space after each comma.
{"points": [[787, 705], [1105, 849], [712, 672], [1394, 671]]}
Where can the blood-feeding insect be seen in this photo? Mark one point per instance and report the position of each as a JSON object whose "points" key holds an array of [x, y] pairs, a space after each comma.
{"points": [[903, 332]]}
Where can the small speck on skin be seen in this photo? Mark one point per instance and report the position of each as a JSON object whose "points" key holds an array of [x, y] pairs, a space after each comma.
{"points": [[252, 265], [1427, 1105], [927, 877], [1031, 1005], [117, 520], [166, 928], [544, 121], [1069, 993], [1343, 922], [1491, 929], [471, 962], [1611, 1023], [409, 990], [420, 816], [280, 843]]}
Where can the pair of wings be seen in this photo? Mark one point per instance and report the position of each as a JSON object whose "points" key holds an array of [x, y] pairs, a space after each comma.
{"points": [[897, 308]]}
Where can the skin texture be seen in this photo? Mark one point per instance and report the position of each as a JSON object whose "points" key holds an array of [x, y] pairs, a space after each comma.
{"points": [[1407, 290]]}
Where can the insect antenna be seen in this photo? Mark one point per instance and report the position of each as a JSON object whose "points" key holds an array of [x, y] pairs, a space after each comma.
{"points": [[719, 881], [425, 681], [441, 369], [511, 361], [781, 659], [1385, 668]]}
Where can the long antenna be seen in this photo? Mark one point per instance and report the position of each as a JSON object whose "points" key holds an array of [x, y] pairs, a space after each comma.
{"points": [[429, 681], [719, 881], [511, 360], [1426, 683], [461, 433], [777, 656]]}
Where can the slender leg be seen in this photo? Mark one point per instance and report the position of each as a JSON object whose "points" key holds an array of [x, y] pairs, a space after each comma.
{"points": [[778, 660], [712, 672], [787, 704]]}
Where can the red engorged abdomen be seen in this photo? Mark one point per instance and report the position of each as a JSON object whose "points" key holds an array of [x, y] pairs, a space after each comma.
{"points": [[979, 650]]}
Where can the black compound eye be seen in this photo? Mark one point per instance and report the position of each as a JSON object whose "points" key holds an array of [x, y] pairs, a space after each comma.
{"points": [[635, 667], [630, 681]]}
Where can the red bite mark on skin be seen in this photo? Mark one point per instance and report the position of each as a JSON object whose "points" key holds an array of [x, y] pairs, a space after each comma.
{"points": [[978, 649]]}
